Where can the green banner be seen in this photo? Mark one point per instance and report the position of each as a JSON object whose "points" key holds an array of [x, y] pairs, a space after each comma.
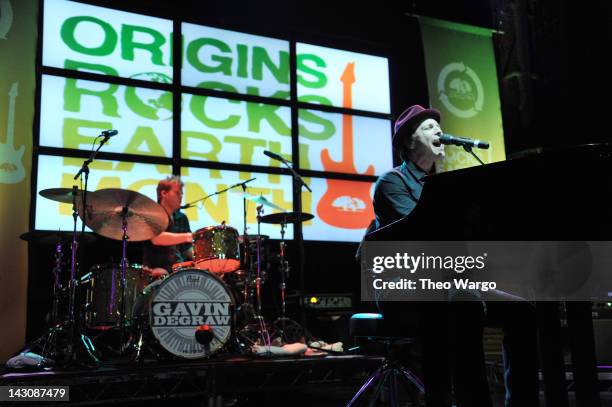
{"points": [[18, 35], [462, 84]]}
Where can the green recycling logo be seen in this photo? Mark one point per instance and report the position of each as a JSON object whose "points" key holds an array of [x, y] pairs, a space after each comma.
{"points": [[460, 90]]}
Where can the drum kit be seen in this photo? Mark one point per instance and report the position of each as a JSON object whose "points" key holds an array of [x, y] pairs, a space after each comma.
{"points": [[191, 313]]}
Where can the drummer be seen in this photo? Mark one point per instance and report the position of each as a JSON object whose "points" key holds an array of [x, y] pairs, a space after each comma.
{"points": [[175, 244]]}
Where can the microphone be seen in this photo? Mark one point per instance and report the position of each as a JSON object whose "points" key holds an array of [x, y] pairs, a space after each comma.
{"points": [[186, 206], [242, 183], [204, 334], [463, 141], [109, 133], [275, 156]]}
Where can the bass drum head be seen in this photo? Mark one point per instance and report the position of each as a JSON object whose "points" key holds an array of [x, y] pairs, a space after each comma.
{"points": [[182, 302]]}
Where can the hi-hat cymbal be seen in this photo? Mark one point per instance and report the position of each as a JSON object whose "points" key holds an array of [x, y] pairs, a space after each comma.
{"points": [[287, 217], [52, 237], [145, 218], [61, 194], [260, 200]]}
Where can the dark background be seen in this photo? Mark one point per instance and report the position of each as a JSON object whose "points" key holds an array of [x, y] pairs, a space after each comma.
{"points": [[553, 79]]}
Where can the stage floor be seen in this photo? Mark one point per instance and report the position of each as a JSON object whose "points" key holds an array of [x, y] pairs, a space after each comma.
{"points": [[322, 381], [231, 381]]}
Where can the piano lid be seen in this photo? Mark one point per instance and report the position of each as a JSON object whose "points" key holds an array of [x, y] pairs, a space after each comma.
{"points": [[555, 194]]}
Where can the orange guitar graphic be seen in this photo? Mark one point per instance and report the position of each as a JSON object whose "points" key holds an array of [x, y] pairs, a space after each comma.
{"points": [[346, 204]]}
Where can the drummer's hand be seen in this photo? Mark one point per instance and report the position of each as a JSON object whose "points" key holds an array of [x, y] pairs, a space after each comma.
{"points": [[189, 237], [188, 254]]}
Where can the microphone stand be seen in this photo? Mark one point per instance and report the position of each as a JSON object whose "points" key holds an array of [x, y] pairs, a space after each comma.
{"points": [[295, 175], [85, 170], [77, 337], [245, 247], [240, 184], [299, 237], [470, 150], [66, 339]]}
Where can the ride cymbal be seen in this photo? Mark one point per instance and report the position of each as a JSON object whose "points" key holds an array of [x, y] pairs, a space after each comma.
{"points": [[105, 211], [286, 217], [52, 237]]}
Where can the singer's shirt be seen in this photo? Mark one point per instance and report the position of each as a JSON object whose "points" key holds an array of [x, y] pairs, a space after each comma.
{"points": [[394, 196], [166, 256]]}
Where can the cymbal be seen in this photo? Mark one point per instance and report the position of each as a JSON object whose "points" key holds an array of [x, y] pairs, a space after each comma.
{"points": [[287, 217], [259, 200], [145, 218], [61, 194], [52, 237]]}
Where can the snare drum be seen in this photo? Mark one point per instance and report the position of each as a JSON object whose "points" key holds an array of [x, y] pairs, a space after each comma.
{"points": [[216, 249], [103, 293], [169, 311], [185, 265]]}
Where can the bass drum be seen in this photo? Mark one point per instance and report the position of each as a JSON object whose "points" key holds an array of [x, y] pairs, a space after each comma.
{"points": [[169, 311]]}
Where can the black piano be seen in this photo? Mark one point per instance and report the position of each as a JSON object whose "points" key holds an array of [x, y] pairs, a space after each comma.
{"points": [[558, 195]]}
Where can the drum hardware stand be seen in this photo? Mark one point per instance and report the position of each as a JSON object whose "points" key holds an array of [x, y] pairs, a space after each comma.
{"points": [[282, 321], [265, 335], [284, 271], [257, 321], [258, 278], [138, 346], [76, 331], [124, 239], [125, 346], [48, 342], [57, 285], [68, 339], [245, 243], [298, 234]]}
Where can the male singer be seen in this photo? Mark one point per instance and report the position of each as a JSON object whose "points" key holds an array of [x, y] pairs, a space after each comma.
{"points": [[453, 332]]}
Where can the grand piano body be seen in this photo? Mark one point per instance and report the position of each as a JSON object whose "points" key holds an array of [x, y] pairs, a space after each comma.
{"points": [[555, 195]]}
